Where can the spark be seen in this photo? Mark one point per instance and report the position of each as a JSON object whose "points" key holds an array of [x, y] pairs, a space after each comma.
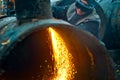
{"points": [[64, 69]]}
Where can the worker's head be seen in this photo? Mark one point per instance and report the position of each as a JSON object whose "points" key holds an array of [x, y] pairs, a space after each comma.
{"points": [[83, 7]]}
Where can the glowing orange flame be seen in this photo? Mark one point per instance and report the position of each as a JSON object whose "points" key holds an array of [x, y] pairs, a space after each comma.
{"points": [[63, 68]]}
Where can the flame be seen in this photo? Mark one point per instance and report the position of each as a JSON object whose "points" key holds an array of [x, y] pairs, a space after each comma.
{"points": [[63, 68]]}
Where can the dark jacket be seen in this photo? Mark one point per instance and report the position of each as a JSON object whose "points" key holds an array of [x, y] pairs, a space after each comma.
{"points": [[88, 22]]}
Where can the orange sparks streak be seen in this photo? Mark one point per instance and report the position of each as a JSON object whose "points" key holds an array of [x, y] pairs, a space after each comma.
{"points": [[63, 68]]}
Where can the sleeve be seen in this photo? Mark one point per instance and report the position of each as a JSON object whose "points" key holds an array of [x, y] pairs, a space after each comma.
{"points": [[91, 26]]}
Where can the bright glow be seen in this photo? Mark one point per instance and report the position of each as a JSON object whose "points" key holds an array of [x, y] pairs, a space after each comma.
{"points": [[64, 69]]}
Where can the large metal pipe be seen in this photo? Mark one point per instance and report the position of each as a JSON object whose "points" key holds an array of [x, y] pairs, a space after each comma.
{"points": [[28, 53], [30, 10]]}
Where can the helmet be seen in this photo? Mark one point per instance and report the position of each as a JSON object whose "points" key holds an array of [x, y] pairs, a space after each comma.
{"points": [[85, 7]]}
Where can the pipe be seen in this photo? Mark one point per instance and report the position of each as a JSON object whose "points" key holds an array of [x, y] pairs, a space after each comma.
{"points": [[29, 10]]}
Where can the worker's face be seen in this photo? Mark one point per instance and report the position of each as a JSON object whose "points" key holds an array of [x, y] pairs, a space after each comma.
{"points": [[79, 12]]}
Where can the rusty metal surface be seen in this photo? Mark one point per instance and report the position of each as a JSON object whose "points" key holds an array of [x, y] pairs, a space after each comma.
{"points": [[73, 38], [39, 9], [11, 32], [5, 21], [6, 29]]}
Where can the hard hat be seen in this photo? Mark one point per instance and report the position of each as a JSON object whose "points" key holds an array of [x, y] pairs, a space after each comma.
{"points": [[84, 6]]}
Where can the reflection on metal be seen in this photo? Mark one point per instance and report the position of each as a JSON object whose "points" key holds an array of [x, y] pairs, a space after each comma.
{"points": [[91, 59], [5, 42], [64, 68], [3, 30]]}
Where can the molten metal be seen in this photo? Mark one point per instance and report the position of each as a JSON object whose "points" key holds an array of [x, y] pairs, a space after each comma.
{"points": [[64, 68]]}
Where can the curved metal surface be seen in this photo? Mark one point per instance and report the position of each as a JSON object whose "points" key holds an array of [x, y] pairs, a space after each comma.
{"points": [[89, 57]]}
